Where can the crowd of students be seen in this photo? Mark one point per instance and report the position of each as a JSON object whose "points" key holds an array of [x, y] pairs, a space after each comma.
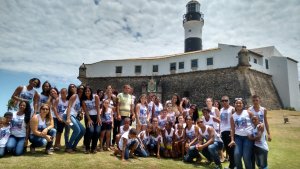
{"points": [[171, 130]]}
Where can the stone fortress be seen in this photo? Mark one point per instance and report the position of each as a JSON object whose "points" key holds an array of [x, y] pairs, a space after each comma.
{"points": [[197, 74]]}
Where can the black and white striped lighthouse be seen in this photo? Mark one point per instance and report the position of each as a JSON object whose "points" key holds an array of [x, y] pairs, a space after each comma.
{"points": [[193, 22]]}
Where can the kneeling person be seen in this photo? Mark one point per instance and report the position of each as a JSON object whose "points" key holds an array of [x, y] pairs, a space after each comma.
{"points": [[42, 131], [209, 148], [127, 144]]}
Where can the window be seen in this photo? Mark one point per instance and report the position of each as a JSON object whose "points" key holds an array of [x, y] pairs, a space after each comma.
{"points": [[181, 65], [118, 69], [138, 69], [210, 61], [173, 66], [267, 63], [155, 68], [194, 63], [255, 60]]}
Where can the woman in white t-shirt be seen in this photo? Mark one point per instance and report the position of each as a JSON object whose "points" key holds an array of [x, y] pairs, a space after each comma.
{"points": [[19, 129]]}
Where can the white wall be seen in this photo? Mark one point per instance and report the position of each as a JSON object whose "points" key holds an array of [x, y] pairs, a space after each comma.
{"points": [[223, 57], [293, 84]]}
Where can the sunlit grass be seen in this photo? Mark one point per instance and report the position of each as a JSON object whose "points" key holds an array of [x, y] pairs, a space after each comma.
{"points": [[283, 153]]}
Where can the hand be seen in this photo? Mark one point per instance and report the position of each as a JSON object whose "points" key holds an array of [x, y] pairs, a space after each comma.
{"points": [[90, 123], [48, 138], [59, 119], [199, 147], [232, 143], [45, 131], [119, 117], [133, 118], [68, 121], [112, 126], [99, 121], [269, 138]]}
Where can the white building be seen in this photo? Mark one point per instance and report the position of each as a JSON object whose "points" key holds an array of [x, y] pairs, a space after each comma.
{"points": [[267, 60]]}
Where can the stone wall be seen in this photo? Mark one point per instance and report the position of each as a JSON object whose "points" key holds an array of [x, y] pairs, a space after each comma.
{"points": [[235, 82]]}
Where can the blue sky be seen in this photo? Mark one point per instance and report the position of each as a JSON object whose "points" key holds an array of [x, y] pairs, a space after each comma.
{"points": [[51, 39]]}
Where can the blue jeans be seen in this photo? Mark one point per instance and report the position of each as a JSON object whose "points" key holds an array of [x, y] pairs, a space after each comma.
{"points": [[129, 147], [261, 157], [191, 154], [140, 151], [243, 148], [211, 152], [37, 141], [2, 151], [92, 134], [78, 132], [15, 145]]}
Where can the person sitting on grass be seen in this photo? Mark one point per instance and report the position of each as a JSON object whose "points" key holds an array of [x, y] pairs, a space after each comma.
{"points": [[155, 139], [144, 140], [42, 130], [260, 143], [4, 131], [127, 144]]}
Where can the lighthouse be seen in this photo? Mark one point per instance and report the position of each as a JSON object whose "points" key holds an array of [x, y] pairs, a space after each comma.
{"points": [[193, 22]]}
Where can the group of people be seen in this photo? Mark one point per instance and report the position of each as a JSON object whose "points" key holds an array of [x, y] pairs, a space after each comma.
{"points": [[142, 126]]}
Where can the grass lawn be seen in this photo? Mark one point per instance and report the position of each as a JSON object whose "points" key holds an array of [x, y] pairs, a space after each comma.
{"points": [[283, 152]]}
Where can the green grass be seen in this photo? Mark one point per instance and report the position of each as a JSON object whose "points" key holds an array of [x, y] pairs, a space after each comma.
{"points": [[283, 153]]}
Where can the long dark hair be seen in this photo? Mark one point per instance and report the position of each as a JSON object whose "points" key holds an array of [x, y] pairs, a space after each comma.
{"points": [[84, 97], [46, 93], [27, 111], [195, 113], [70, 93], [178, 99]]}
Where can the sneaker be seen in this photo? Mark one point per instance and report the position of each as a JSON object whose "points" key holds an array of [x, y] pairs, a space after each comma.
{"points": [[70, 151], [94, 151], [86, 152], [49, 152], [56, 148]]}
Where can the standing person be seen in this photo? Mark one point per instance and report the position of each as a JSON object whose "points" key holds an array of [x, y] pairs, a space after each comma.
{"points": [[168, 139], [70, 119], [17, 141], [4, 131], [59, 107], [44, 96], [28, 94], [91, 107], [240, 128], [185, 104], [261, 113], [42, 130], [142, 113], [176, 104], [157, 108], [192, 112], [150, 100], [260, 145], [107, 117], [214, 111], [125, 104], [171, 115], [225, 127]]}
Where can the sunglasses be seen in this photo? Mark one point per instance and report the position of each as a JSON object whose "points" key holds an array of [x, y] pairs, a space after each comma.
{"points": [[224, 100], [199, 122], [238, 99]]}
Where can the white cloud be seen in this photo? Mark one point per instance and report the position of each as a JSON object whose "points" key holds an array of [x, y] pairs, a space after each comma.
{"points": [[54, 38]]}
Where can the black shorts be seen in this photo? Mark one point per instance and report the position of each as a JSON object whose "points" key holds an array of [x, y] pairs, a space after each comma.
{"points": [[59, 126], [106, 126]]}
